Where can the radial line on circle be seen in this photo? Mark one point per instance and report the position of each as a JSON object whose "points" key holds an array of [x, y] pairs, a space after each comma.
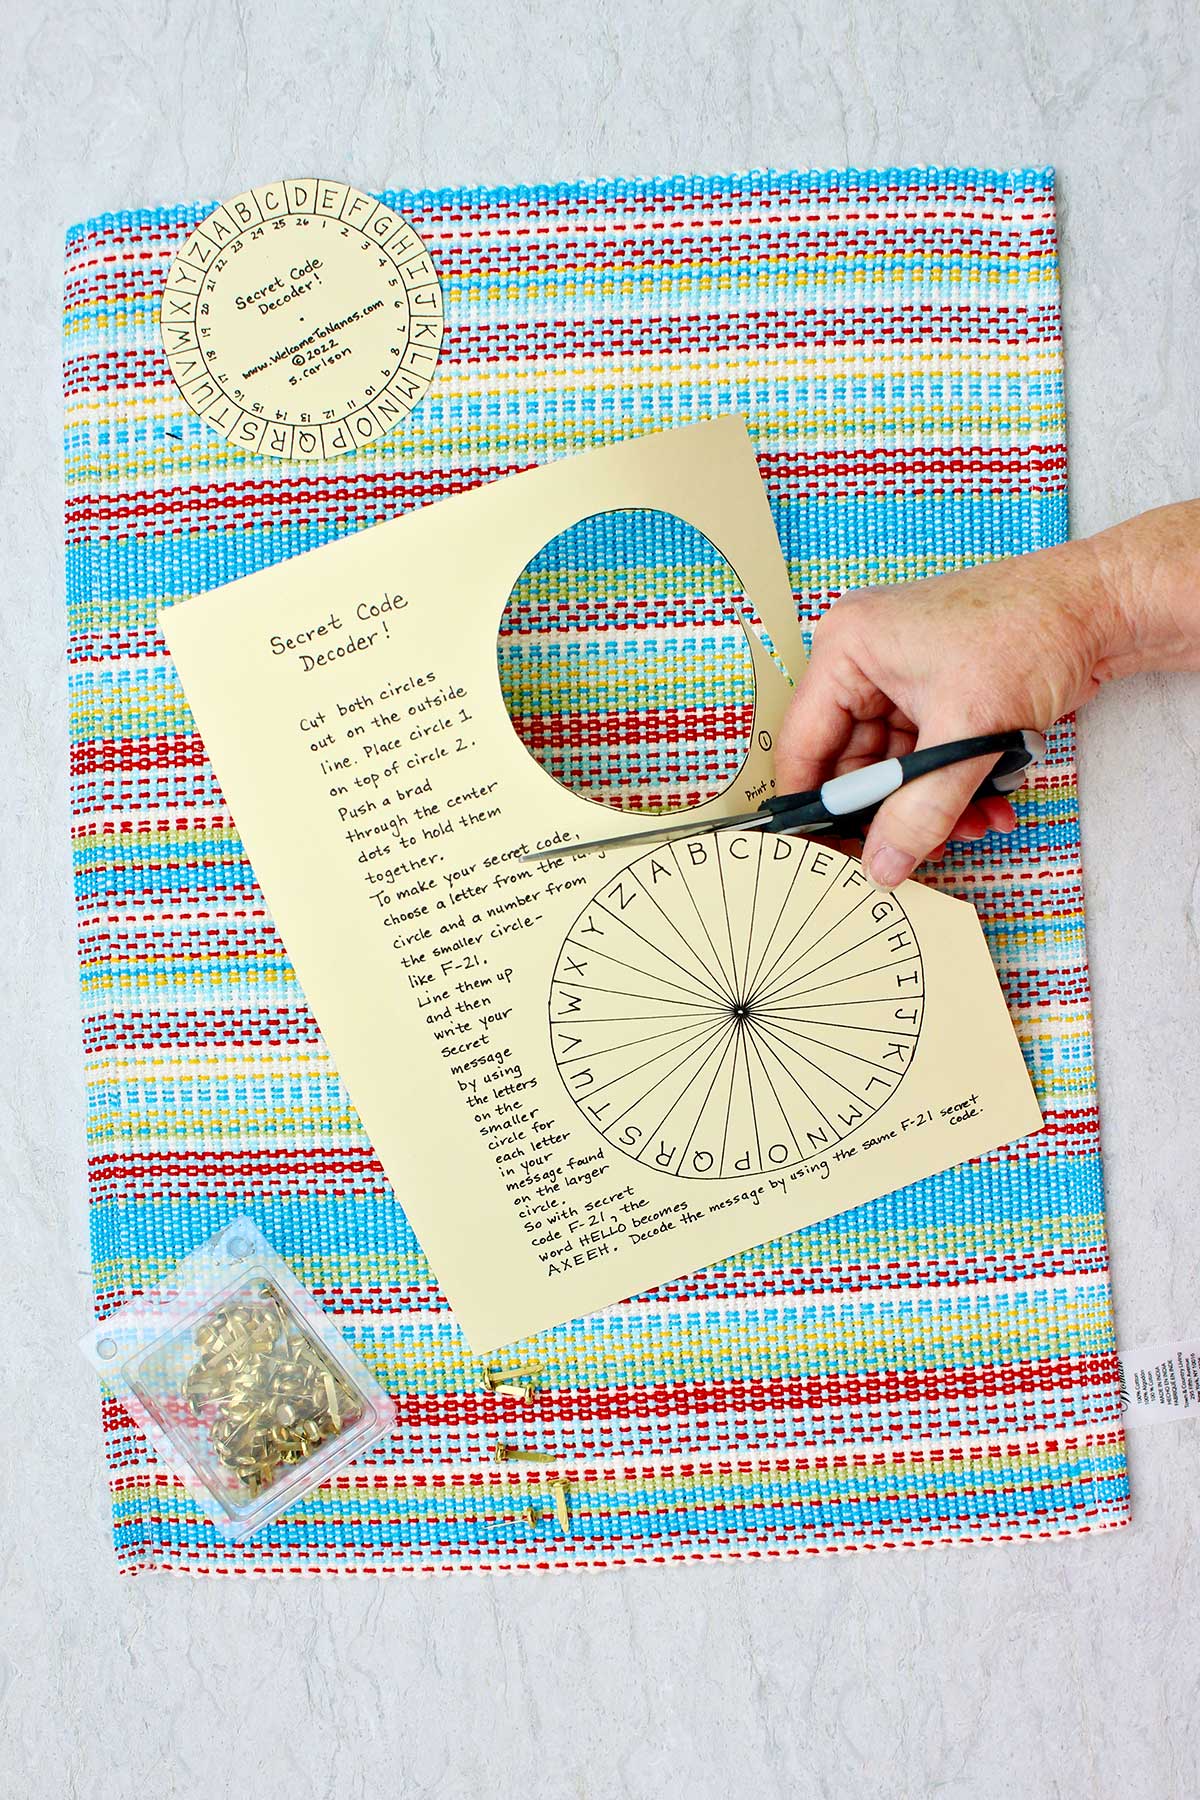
{"points": [[689, 1025], [700, 1114], [769, 1032], [783, 1111], [657, 948], [703, 1036], [742, 1035], [648, 974], [774, 993], [811, 946], [796, 1083], [834, 1049], [712, 1051], [774, 1014], [834, 980], [745, 987], [728, 928], [635, 1018], [726, 984], [869, 1000], [691, 950], [761, 974], [783, 905]]}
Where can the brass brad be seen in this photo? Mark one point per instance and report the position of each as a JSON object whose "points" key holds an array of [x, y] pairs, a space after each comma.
{"points": [[516, 1381], [560, 1490]]}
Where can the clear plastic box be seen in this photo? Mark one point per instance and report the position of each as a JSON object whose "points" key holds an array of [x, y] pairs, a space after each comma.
{"points": [[242, 1384]]}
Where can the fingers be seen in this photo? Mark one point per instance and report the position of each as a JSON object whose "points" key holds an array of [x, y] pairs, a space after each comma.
{"points": [[839, 719], [992, 813], [848, 711], [911, 824], [814, 733]]}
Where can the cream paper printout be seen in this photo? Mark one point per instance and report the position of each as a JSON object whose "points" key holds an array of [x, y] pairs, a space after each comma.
{"points": [[587, 1075]]}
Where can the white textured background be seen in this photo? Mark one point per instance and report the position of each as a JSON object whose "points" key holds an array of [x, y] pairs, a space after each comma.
{"points": [[1033, 1672]]}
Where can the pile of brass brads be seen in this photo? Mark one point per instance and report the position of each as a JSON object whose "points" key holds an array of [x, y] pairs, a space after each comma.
{"points": [[264, 1388]]}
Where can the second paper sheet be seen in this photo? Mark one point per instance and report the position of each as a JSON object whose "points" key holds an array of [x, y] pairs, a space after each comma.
{"points": [[583, 1076]]}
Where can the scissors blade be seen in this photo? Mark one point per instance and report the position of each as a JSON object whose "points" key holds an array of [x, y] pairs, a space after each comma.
{"points": [[660, 835]]}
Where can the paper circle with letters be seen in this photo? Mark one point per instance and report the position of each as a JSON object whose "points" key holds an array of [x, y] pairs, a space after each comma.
{"points": [[735, 1003], [302, 319]]}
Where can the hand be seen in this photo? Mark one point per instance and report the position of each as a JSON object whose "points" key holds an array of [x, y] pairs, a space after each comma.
{"points": [[1005, 645]]}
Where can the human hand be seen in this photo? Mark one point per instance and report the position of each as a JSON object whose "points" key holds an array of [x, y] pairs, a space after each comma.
{"points": [[1005, 645]]}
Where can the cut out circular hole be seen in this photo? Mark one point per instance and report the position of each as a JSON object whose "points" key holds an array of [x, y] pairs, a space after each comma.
{"points": [[238, 1246], [624, 664], [106, 1347]]}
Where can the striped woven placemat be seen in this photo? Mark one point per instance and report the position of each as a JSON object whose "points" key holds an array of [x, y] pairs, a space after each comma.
{"points": [[937, 1366]]}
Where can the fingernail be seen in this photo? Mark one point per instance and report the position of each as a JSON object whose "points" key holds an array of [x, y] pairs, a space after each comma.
{"points": [[888, 866]]}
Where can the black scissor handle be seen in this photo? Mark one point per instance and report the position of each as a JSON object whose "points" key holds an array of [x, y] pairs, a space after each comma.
{"points": [[848, 802], [1017, 750]]}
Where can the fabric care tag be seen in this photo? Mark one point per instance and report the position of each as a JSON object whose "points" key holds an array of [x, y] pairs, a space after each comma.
{"points": [[302, 319], [584, 1077], [1161, 1381]]}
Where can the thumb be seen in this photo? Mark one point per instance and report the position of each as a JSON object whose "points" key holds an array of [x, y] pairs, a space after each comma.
{"points": [[923, 814]]}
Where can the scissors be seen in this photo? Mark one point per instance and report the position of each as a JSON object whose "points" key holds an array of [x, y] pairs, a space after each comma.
{"points": [[845, 804]]}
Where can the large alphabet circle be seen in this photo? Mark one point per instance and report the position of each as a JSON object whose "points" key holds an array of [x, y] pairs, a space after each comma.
{"points": [[735, 1003]]}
